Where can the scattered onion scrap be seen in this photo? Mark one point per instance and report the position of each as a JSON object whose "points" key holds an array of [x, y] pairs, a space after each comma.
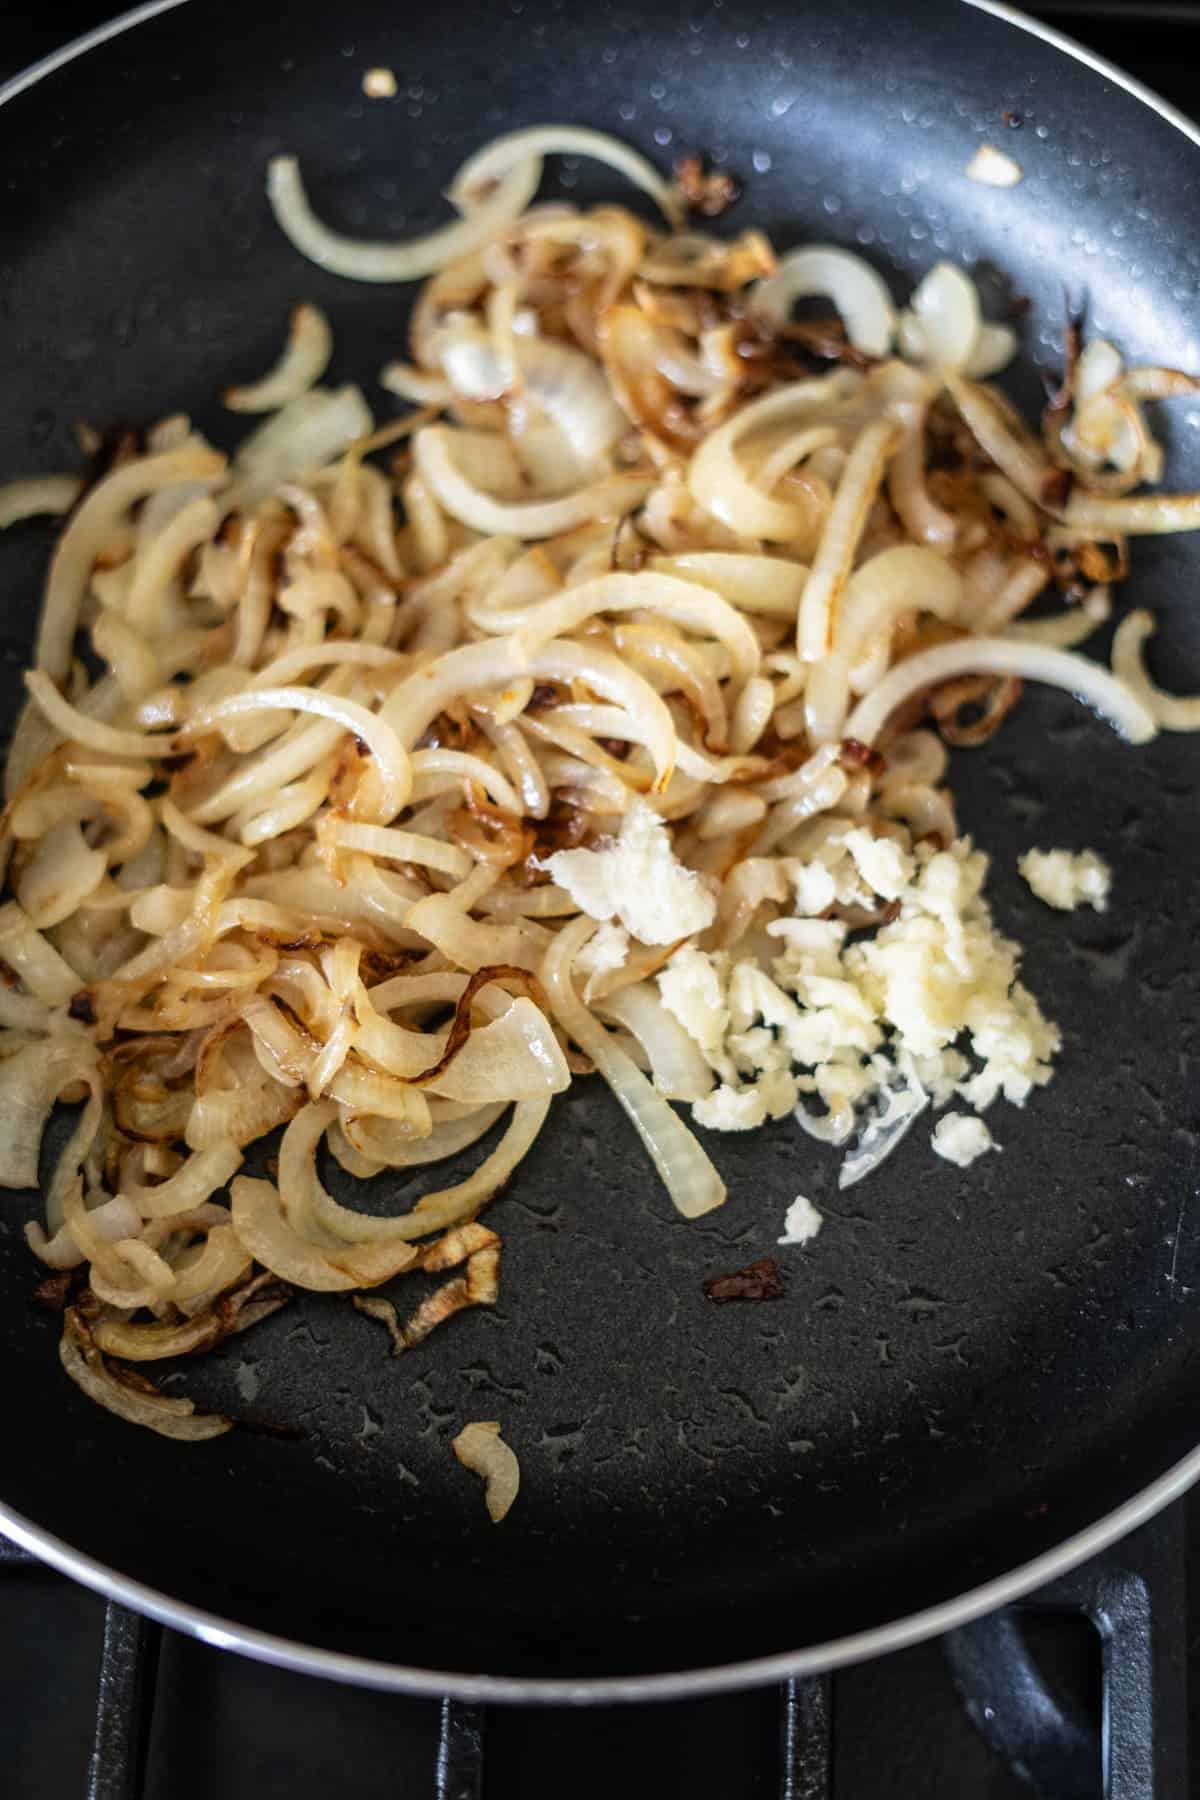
{"points": [[480, 1448]]}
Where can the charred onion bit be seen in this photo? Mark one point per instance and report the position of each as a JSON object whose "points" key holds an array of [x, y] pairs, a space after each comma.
{"points": [[757, 1281], [709, 192]]}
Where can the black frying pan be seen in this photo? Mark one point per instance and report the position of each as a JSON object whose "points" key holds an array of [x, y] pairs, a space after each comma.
{"points": [[968, 1371]]}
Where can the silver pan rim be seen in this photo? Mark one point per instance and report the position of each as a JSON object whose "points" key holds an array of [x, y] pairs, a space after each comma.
{"points": [[880, 1640]]}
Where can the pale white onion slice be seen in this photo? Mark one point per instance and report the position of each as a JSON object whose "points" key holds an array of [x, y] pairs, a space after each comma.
{"points": [[434, 448], [34, 959], [856, 290], [379, 1142], [60, 875], [758, 584], [194, 1182], [686, 1170], [945, 305], [568, 386], [722, 486], [259, 1221], [698, 609], [414, 384], [365, 259], [436, 770], [434, 1211], [993, 350], [1066, 630], [1090, 683], [1020, 457], [160, 560], [304, 360], [111, 1221], [35, 495], [677, 1069], [398, 846], [30, 1082], [304, 435], [493, 162], [77, 726], [291, 663], [96, 519], [1132, 515], [835, 553], [1173, 712], [905, 577], [514, 1057]]}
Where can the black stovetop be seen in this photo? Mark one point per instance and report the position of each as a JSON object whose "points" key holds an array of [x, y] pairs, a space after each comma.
{"points": [[177, 1720]]}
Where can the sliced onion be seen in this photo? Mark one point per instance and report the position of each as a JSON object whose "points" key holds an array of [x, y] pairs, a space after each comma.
{"points": [[81, 729], [173, 1416], [417, 701], [723, 488], [469, 944], [686, 1171], [391, 762], [42, 968], [449, 1206], [378, 1141], [697, 608], [399, 846], [259, 1221], [945, 310], [1094, 686], [93, 524], [306, 434], [30, 1082], [1018, 455], [885, 1133], [1139, 515], [435, 448], [903, 578], [1067, 630], [34, 495], [493, 162], [364, 259], [758, 584], [1171, 711], [235, 1312], [60, 875], [858, 293], [201, 1176], [994, 348], [677, 1069], [568, 386], [111, 1221], [515, 1057], [839, 542], [305, 359]]}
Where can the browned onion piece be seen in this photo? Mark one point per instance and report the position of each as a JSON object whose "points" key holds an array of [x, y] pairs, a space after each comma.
{"points": [[129, 1396]]}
